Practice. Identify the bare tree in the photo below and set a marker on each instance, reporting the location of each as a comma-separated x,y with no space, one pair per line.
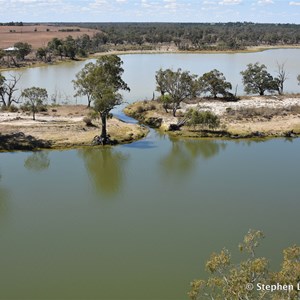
8,87
281,77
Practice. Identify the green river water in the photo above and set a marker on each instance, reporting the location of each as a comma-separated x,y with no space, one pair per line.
139,221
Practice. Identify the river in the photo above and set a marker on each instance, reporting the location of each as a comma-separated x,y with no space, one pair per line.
139,221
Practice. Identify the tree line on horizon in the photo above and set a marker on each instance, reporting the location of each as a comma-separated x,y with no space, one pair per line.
148,36
198,36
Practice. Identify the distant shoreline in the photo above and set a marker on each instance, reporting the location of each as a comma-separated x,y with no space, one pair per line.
36,64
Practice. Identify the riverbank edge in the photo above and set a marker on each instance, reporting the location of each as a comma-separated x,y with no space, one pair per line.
60,128
51,144
254,49
158,120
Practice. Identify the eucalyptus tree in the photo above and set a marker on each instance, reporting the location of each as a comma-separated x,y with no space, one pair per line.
257,80
101,81
84,82
214,82
179,85
244,280
23,49
35,97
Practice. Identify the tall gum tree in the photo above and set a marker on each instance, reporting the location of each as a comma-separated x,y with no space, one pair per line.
104,80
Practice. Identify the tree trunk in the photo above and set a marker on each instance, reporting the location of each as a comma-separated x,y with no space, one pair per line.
174,111
33,113
103,130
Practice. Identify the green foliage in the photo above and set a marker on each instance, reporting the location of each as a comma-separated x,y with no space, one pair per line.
101,82
69,47
55,46
257,80
166,101
179,85
85,82
239,281
214,82
203,119
193,36
23,49
2,54
41,53
35,98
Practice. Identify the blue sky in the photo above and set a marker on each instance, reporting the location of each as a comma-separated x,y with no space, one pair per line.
264,11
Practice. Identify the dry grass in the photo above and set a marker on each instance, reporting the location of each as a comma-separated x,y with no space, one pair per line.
37,36
64,127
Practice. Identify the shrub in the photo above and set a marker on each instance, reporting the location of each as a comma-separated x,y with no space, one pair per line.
88,121
13,108
204,119
140,109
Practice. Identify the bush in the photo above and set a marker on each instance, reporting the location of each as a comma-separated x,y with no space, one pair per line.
152,107
204,119
87,121
13,108
140,109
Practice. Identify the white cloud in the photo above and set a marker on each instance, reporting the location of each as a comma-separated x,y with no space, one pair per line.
230,2
265,2
294,3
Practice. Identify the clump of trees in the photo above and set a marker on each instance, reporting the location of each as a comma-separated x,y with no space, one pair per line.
228,280
177,86
100,82
257,80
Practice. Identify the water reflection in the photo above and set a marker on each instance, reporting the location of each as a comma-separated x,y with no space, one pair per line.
105,168
4,195
37,161
183,154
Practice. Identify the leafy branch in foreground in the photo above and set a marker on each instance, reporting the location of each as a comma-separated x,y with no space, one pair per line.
251,278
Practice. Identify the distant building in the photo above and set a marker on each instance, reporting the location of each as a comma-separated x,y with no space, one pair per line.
11,49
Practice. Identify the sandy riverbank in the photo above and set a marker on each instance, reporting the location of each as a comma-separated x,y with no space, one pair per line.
268,116
59,127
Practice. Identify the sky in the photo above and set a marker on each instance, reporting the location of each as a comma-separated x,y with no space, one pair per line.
262,11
